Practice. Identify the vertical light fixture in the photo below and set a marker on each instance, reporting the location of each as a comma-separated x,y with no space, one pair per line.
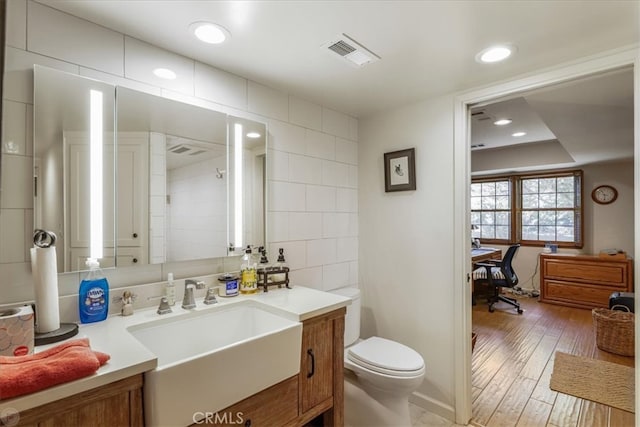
95,174
237,188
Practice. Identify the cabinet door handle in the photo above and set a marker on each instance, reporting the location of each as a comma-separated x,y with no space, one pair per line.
135,260
135,235
313,363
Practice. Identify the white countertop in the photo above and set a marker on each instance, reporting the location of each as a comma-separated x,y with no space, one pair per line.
129,357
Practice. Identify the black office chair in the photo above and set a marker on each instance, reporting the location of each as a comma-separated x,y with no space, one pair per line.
496,275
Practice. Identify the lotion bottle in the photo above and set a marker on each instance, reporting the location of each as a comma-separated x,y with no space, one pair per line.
170,290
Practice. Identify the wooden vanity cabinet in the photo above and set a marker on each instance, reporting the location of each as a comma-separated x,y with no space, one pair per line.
275,406
322,369
317,391
112,405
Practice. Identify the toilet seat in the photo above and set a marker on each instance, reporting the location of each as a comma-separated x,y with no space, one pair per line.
386,357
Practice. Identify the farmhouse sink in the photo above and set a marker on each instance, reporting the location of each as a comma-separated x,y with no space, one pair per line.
211,359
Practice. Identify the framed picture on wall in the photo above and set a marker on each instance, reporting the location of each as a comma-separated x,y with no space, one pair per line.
400,170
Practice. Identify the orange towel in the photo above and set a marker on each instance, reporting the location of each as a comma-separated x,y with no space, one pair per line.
65,362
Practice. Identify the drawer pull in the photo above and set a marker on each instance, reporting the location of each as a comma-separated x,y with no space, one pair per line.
313,363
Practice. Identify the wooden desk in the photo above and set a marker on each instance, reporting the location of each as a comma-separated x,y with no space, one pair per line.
481,254
584,281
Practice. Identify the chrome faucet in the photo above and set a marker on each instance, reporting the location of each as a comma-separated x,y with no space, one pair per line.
198,284
164,307
189,301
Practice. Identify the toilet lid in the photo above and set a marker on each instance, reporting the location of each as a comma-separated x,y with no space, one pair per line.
386,356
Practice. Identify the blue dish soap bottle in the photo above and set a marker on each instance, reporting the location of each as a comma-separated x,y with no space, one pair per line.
93,297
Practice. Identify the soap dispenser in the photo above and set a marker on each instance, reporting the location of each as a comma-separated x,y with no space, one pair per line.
93,296
248,275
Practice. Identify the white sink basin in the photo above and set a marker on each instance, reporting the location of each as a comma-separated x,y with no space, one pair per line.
211,359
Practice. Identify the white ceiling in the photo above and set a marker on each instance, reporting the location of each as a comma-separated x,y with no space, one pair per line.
583,121
427,47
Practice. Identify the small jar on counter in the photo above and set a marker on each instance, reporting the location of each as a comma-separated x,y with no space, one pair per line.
228,285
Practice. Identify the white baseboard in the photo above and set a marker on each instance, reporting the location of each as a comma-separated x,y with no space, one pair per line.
432,405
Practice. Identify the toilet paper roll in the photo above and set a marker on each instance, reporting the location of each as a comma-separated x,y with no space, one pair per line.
45,279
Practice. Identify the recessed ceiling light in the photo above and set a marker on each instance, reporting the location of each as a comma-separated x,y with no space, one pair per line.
495,54
502,122
517,134
253,135
165,73
209,32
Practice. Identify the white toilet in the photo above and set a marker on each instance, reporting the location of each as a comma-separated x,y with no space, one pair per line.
380,374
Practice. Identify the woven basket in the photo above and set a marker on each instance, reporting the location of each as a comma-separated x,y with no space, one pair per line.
614,331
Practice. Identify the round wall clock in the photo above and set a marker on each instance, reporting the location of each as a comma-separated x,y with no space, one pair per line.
604,194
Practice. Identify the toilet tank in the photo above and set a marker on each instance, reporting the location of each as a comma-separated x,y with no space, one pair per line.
352,319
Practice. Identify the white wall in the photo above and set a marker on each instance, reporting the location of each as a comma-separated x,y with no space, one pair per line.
312,157
406,240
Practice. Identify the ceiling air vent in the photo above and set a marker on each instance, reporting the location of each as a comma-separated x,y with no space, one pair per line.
351,51
480,116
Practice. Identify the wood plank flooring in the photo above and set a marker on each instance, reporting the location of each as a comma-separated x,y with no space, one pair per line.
512,364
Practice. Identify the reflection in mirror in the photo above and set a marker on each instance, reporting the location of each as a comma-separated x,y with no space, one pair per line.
172,186
74,166
177,153
247,168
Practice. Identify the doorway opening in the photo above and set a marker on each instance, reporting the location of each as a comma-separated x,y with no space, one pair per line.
542,91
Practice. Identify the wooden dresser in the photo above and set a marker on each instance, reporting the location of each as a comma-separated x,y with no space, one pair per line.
584,281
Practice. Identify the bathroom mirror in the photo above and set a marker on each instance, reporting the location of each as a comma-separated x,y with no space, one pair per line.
173,188
73,124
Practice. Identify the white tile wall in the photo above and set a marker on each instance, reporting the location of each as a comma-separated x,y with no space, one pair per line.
307,170
320,145
12,243
267,102
347,200
321,198
286,196
346,151
305,113
278,227
305,226
335,276
16,27
335,174
335,123
321,252
313,151
287,137
219,86
59,35
278,165
17,180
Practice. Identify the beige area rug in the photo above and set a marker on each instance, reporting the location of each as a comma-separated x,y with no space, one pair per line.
597,380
